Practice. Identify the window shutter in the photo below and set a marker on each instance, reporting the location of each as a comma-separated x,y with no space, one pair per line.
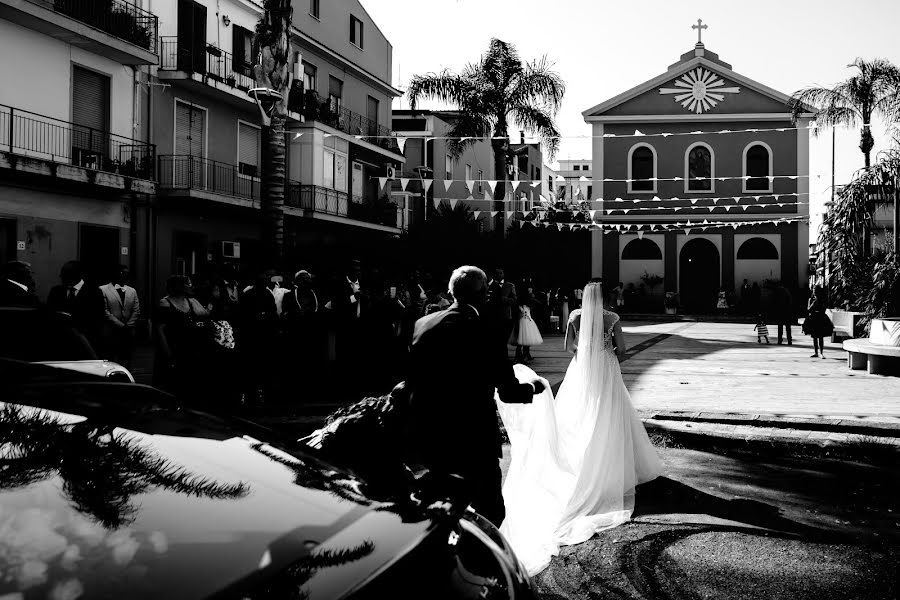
190,127
248,144
335,86
90,99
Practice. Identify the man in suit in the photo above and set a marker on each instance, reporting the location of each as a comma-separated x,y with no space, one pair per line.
783,311
349,303
82,301
502,305
17,285
122,311
455,364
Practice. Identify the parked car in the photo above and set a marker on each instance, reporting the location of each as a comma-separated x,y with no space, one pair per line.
112,490
43,336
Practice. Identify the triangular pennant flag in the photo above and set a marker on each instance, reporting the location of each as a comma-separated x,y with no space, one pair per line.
583,178
404,181
509,214
427,183
744,207
401,141
470,183
453,203
734,225
494,213
610,135
736,198
706,221
560,226
327,135
382,181
694,200
536,184
592,213
640,235
491,185
447,184
437,203
476,214
297,135
560,178
487,198
638,133
665,135
625,210
729,207
716,200
687,232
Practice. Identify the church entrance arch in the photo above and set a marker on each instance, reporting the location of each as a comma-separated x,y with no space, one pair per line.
700,271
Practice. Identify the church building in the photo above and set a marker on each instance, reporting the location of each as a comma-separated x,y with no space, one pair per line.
701,180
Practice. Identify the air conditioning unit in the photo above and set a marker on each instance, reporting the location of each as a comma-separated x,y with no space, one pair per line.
231,249
391,174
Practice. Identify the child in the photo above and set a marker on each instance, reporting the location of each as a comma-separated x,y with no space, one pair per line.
762,331
526,335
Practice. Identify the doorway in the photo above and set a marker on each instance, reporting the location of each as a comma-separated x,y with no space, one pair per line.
700,271
98,252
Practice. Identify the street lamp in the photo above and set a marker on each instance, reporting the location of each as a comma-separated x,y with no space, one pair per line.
266,99
422,171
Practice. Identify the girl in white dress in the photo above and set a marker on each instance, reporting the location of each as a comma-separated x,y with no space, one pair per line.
577,459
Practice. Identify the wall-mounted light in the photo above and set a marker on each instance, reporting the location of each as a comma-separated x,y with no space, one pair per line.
226,19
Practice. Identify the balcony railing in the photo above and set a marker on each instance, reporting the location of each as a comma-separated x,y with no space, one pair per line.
116,17
333,202
194,173
38,136
206,60
329,111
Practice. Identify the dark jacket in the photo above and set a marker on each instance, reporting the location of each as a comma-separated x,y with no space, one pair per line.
502,301
88,308
455,364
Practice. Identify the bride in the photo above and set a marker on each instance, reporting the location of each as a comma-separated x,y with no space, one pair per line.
577,459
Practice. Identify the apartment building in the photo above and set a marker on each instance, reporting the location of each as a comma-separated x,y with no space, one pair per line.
77,173
207,131
573,181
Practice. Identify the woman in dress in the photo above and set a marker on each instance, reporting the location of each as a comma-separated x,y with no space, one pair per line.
526,333
817,324
181,335
576,460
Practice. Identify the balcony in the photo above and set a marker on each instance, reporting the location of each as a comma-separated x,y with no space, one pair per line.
314,107
194,174
325,201
206,60
48,140
113,28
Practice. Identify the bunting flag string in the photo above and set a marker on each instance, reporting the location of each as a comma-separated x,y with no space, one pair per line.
638,228
515,183
404,181
427,183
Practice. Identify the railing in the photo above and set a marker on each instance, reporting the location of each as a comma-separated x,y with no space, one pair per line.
195,173
314,107
39,136
333,202
214,62
116,17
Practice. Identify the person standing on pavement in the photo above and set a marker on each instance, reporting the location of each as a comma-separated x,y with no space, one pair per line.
761,329
122,311
502,304
817,324
783,309
17,285
82,301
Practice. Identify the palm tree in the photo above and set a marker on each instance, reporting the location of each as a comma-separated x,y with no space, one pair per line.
273,72
873,91
497,90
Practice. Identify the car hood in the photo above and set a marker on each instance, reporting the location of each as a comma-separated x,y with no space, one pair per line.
99,502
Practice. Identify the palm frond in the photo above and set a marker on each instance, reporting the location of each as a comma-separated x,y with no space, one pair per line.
832,106
540,122
538,85
444,86
472,125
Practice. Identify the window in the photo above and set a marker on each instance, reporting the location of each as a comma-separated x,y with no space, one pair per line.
314,8
699,168
356,32
577,167
248,149
585,168
757,249
309,76
480,181
641,249
90,113
372,114
642,168
468,172
242,50
448,167
758,166
335,92
191,30
590,192
328,175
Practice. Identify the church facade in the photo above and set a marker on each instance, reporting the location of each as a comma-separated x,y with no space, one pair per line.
701,180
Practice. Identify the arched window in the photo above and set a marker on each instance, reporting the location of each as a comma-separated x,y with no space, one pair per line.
757,249
641,250
699,168
642,168
757,167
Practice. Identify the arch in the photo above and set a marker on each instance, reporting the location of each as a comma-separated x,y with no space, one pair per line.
753,160
699,270
641,249
706,166
757,249
648,184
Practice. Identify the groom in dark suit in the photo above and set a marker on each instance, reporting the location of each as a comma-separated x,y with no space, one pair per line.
455,365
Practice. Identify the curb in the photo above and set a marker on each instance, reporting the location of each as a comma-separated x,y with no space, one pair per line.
837,425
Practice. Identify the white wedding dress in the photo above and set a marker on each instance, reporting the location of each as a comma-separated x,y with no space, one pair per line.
577,459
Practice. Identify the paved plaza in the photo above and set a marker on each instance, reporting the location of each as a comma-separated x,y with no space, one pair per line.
720,367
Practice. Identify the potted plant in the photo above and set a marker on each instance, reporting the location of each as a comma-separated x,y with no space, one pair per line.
671,303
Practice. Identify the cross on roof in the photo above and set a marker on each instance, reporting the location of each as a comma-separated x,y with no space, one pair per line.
699,27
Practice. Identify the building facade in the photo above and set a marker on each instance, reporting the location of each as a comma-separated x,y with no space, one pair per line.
573,181
208,135
703,180
76,168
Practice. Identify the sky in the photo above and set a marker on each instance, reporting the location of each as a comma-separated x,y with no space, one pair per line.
602,48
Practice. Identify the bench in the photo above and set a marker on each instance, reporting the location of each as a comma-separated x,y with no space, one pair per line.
846,323
879,358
